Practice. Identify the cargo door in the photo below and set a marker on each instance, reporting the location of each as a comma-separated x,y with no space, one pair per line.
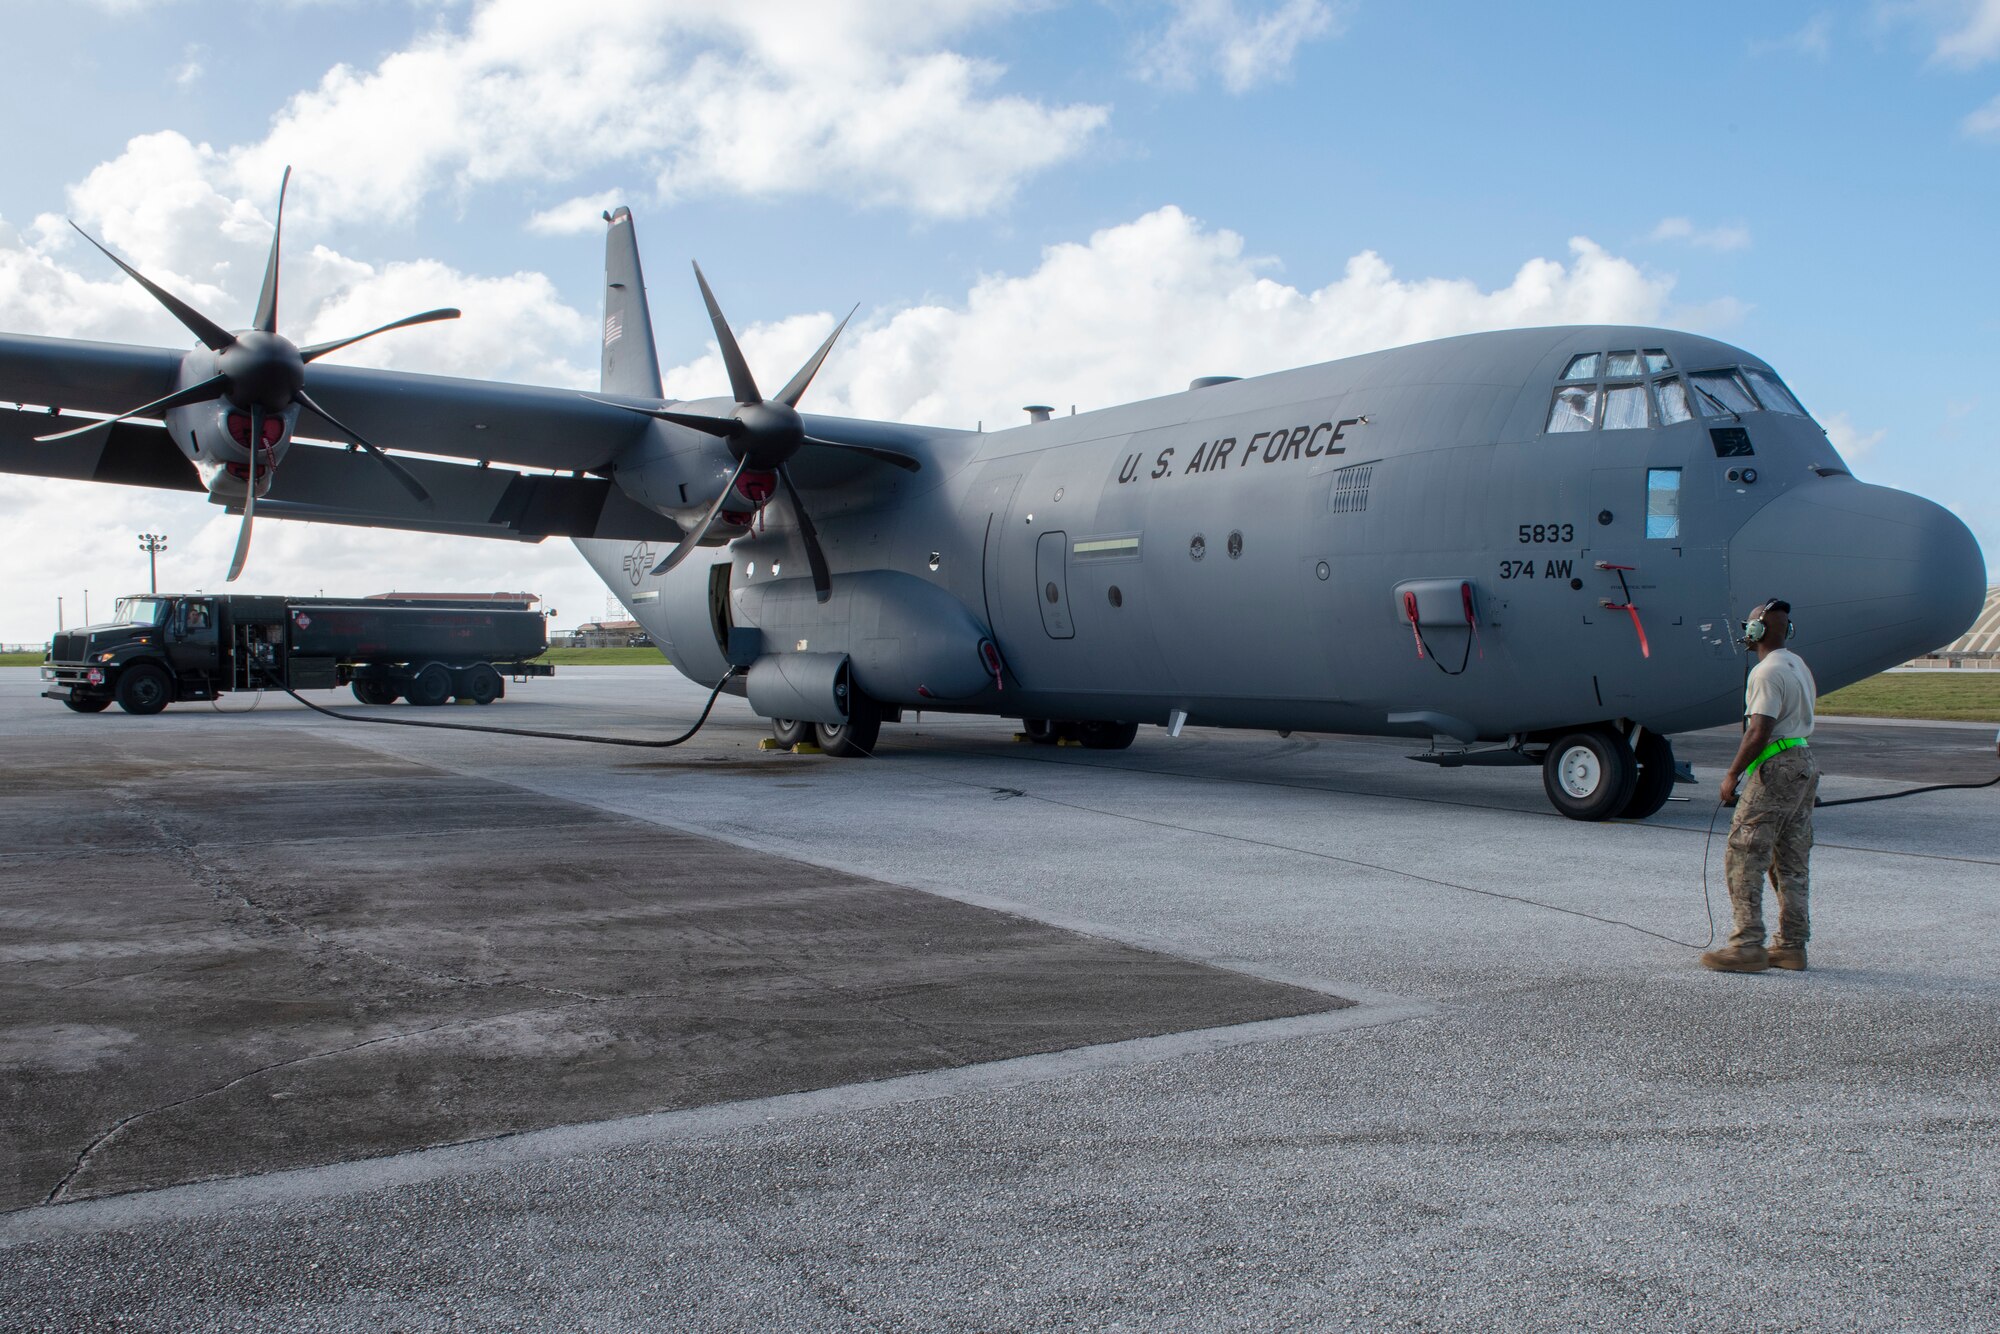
1051,577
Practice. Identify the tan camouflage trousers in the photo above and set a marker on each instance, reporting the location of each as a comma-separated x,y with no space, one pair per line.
1772,835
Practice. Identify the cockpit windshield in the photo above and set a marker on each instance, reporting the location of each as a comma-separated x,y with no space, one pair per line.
1631,389
142,611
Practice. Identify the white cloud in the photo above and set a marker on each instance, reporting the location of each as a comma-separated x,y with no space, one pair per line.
1814,38
1245,47
1142,308
1983,123
575,217
1973,38
1731,237
1848,438
780,98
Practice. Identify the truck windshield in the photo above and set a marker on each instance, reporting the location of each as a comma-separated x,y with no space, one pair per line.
142,611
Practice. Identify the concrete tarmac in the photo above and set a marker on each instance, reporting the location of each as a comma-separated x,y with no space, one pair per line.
1540,1114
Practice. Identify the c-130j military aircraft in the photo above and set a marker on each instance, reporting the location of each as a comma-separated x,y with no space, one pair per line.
1527,547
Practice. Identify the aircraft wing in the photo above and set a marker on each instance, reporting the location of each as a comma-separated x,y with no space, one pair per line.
332,484
527,425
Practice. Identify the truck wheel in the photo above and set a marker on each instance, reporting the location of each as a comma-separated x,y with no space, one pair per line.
144,688
374,692
480,684
1656,778
790,733
857,736
1589,774
429,687
87,705
1107,736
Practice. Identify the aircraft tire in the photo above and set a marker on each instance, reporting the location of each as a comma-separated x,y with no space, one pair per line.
790,732
1656,778
374,692
1589,774
87,705
144,689
430,686
856,737
1041,731
1107,736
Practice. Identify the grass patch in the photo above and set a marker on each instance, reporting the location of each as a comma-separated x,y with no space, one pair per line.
604,657
33,659
1954,696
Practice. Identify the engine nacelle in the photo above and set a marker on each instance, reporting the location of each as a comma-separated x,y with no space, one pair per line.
216,437
676,472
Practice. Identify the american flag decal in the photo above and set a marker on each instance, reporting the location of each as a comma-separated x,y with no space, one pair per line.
614,327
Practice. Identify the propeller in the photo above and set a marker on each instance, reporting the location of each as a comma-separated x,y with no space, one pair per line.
763,434
259,371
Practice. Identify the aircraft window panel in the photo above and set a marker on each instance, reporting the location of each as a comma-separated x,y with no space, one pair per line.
1721,393
1575,409
1663,502
1625,407
1774,396
1622,363
1673,401
1582,368
1657,361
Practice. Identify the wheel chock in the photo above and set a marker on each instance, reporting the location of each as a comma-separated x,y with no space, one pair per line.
807,748
770,743
1068,741
1021,736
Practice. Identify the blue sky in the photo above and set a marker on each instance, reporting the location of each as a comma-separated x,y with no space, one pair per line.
1032,202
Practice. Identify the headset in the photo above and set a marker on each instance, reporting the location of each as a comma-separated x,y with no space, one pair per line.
1753,625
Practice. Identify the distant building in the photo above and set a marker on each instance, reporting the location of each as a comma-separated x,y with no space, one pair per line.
1977,647
610,634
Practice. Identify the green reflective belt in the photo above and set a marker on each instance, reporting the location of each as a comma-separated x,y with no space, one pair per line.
1771,750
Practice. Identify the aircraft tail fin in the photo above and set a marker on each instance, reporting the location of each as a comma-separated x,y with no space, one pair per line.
631,365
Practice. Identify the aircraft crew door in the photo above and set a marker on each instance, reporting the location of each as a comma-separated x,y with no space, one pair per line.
1051,578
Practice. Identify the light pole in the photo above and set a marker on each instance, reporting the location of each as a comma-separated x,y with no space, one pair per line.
86,606
153,544
59,624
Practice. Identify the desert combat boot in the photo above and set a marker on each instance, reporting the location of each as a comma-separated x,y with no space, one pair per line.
1792,958
1739,959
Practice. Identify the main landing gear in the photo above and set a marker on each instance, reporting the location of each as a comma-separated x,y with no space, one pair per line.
1091,736
1594,773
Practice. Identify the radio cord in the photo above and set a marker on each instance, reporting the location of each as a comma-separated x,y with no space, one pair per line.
522,731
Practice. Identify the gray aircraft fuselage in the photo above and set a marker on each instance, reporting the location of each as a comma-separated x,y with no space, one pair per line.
1234,552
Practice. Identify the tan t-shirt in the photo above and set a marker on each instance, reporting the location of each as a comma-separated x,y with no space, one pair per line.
1782,688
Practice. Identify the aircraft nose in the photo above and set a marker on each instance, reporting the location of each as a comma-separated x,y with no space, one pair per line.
1875,576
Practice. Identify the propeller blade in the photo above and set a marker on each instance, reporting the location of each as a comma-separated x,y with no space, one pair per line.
692,538
249,496
396,470
722,426
194,393
822,580
213,336
318,350
903,461
267,300
793,392
741,384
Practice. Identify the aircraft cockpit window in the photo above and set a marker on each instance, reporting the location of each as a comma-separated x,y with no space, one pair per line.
1673,400
1622,363
1657,361
1721,394
1774,396
1582,368
1624,406
1575,408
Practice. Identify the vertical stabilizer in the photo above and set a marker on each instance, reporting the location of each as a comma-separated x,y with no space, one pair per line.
631,365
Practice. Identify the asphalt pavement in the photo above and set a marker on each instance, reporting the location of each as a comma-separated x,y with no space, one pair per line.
1538,1113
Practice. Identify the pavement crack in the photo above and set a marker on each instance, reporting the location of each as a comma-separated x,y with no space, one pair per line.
91,1150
